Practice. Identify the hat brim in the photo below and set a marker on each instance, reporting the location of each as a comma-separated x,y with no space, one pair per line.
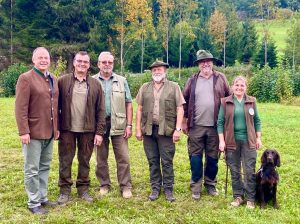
162,65
216,61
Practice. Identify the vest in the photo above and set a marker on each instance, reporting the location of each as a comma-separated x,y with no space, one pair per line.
118,105
228,106
167,109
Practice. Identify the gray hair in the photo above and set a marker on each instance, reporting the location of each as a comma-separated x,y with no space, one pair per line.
240,78
39,48
105,53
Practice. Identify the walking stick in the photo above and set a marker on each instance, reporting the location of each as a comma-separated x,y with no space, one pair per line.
226,179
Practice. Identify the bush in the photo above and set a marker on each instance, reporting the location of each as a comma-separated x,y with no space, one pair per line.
296,83
271,85
9,77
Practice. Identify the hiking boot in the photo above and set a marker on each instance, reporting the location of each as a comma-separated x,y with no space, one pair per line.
85,196
63,199
169,195
237,202
154,195
250,205
126,193
39,210
196,195
103,191
211,190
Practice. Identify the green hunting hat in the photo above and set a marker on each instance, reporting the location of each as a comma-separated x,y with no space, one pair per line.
203,54
158,63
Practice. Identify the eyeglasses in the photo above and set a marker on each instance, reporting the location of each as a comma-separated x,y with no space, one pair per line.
107,62
81,61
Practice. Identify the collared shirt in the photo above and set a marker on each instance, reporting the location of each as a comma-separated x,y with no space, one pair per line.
107,87
157,94
78,105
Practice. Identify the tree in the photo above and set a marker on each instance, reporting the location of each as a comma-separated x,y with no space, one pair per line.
272,55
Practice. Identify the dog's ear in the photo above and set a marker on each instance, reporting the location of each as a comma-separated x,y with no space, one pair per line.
277,159
264,158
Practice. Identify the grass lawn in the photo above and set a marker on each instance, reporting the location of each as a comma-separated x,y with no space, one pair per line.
281,128
278,31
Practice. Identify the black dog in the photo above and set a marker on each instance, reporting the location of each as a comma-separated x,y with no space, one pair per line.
267,178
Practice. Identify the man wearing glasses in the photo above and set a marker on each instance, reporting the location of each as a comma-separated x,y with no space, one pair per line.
81,105
118,116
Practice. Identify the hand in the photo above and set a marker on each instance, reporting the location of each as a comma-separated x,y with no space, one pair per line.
56,137
128,132
25,139
98,140
176,136
139,135
184,127
258,143
222,146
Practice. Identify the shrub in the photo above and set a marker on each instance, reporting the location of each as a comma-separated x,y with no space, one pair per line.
296,83
9,77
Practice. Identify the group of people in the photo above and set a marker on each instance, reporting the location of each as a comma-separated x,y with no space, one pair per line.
84,112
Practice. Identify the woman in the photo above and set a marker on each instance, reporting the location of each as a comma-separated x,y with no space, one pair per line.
239,132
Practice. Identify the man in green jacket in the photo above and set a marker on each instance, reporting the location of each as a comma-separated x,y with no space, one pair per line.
118,116
81,105
158,124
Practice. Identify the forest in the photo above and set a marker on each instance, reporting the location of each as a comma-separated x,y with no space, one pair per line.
139,31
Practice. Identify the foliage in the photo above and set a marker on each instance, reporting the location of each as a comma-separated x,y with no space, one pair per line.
295,77
271,85
60,67
276,119
9,77
271,55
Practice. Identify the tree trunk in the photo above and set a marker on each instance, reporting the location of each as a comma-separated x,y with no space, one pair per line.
11,32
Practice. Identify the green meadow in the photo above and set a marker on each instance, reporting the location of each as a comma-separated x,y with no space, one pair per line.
281,128
278,31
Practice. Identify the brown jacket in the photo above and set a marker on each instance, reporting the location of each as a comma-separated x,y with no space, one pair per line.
35,108
228,105
95,109
221,89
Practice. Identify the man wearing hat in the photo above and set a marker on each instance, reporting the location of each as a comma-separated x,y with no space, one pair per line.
158,123
202,93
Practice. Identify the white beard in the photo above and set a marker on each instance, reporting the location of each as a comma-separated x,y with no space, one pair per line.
158,77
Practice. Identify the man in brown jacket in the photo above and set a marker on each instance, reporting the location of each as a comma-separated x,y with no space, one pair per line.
82,120
203,93
36,115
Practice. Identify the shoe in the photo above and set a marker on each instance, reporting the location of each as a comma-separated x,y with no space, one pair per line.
169,195
48,204
211,190
154,195
126,193
103,191
250,205
85,196
63,199
237,202
196,195
39,210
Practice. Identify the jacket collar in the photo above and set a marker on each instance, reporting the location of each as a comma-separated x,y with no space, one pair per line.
247,98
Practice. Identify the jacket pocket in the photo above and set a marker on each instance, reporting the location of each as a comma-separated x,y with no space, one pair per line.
120,121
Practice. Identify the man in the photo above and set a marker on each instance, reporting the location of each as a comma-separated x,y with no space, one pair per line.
81,105
158,123
203,92
36,115
118,113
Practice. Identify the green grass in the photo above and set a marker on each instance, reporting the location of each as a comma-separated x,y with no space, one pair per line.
278,31
281,128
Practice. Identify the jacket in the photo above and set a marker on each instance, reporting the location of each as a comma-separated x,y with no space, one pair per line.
94,120
36,106
221,89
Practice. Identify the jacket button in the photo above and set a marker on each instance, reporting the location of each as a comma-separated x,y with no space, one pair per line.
51,118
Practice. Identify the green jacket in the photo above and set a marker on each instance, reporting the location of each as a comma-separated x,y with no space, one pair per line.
167,109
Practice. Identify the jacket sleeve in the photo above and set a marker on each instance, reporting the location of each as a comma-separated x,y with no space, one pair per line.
186,95
100,111
22,105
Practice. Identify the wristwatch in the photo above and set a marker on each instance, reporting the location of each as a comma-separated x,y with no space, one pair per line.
178,129
129,125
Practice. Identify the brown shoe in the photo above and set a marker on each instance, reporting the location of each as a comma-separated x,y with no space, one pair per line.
63,199
126,193
237,202
250,205
196,195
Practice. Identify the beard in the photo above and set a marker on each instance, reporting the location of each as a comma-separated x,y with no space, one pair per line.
158,77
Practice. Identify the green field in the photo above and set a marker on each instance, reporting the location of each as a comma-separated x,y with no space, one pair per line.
281,128
278,31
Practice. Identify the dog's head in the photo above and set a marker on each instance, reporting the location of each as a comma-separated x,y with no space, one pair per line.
270,156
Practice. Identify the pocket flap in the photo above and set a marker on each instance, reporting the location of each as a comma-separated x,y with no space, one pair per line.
120,115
